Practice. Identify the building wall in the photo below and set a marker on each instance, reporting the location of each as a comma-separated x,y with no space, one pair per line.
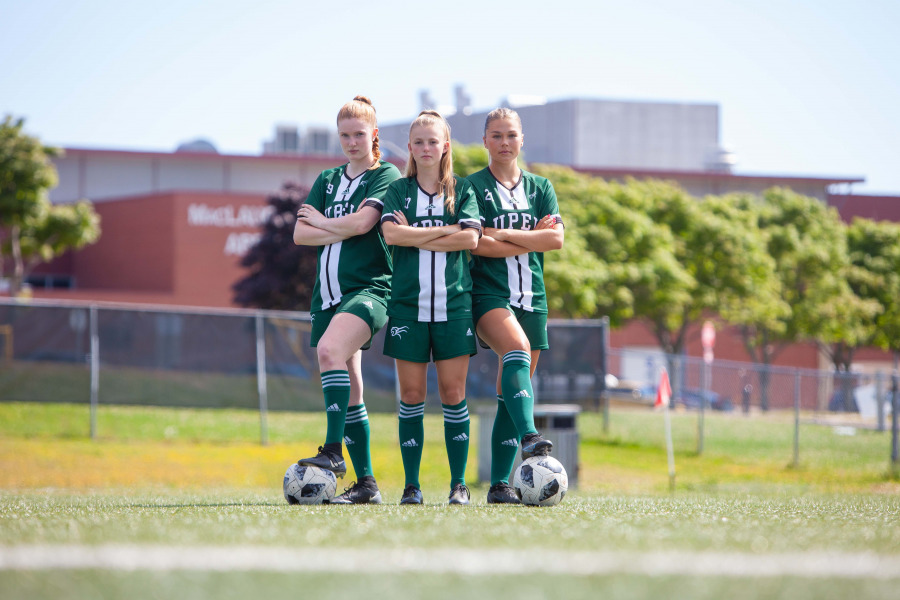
101,175
600,133
181,248
878,208
136,249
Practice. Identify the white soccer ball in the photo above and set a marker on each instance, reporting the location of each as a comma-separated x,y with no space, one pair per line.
308,485
541,481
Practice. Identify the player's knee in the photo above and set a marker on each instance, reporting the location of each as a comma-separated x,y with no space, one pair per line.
452,393
412,396
328,356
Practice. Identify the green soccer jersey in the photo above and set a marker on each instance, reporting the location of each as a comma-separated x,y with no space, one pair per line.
360,262
520,278
430,286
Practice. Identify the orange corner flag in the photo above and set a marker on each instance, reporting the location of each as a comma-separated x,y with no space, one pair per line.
664,391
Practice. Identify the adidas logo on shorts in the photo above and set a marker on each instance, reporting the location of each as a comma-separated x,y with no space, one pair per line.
510,442
348,441
523,394
469,332
367,303
410,443
333,408
461,438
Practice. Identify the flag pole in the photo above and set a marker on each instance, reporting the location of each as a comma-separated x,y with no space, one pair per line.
663,397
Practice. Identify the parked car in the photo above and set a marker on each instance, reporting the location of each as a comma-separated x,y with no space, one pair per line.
690,398
627,390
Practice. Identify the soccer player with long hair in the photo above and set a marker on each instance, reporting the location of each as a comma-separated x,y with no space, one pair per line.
431,220
349,304
520,219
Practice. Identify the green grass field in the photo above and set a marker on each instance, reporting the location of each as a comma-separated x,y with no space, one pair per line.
186,503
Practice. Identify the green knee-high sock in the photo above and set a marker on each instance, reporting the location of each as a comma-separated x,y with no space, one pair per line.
336,387
456,437
504,444
515,383
356,439
412,436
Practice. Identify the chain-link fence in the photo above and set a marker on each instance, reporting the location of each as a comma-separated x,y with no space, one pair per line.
106,354
228,358
729,386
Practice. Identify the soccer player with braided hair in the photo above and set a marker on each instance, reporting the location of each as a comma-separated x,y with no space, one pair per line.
353,279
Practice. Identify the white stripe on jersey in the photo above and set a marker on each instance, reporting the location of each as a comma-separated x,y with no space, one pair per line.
432,286
329,284
519,279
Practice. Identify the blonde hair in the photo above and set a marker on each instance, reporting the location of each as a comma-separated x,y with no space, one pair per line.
361,108
502,113
446,179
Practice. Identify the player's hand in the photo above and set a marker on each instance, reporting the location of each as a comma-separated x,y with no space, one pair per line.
400,218
497,234
311,216
546,222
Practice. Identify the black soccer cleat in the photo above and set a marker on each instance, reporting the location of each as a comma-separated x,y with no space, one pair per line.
326,460
535,445
412,495
502,493
364,491
460,494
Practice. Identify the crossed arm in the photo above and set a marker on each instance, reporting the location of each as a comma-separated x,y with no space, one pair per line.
315,229
547,235
444,238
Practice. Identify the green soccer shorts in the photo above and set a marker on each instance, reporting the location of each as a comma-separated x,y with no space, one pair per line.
369,308
533,324
422,342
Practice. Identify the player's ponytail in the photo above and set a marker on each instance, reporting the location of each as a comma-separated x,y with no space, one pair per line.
446,179
362,108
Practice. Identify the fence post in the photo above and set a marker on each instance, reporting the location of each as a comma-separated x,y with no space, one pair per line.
879,398
796,418
95,370
705,368
261,386
895,404
604,366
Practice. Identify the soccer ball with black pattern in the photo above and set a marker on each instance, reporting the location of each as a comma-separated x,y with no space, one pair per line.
541,481
308,485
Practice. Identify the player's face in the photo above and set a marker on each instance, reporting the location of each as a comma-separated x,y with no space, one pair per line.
356,137
503,140
427,145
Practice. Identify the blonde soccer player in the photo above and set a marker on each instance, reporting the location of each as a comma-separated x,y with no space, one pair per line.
431,220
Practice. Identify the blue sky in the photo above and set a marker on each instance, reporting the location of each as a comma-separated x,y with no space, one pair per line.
804,88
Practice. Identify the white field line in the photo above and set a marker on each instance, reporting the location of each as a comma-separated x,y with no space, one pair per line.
454,561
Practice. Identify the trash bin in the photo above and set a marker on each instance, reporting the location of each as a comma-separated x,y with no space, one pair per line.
556,422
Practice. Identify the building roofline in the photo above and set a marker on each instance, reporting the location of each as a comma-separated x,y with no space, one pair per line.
326,160
671,174
306,158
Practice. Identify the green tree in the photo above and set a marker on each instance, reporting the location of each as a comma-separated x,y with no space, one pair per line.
468,158
31,229
874,251
728,270
281,274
